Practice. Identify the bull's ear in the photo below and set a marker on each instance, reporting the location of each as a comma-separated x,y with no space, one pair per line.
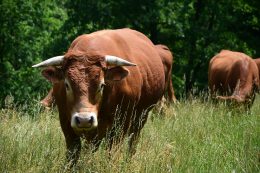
53,74
116,74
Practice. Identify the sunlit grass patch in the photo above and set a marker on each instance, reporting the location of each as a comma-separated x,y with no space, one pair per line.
193,135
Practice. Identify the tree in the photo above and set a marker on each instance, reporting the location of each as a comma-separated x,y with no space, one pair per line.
203,29
25,31
195,30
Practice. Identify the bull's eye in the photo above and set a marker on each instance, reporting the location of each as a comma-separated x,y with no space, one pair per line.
97,76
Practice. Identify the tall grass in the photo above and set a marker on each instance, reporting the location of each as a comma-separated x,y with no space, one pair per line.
191,136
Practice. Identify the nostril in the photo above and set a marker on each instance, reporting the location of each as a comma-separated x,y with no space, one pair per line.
83,120
91,119
77,120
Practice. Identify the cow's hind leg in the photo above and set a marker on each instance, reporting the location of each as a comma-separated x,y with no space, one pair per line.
170,91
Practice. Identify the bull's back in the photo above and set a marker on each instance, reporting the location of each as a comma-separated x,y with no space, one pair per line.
149,66
146,80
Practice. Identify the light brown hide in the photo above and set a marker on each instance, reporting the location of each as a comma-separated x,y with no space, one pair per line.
233,76
128,98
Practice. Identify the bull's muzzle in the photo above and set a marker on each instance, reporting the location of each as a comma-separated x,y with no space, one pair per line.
84,120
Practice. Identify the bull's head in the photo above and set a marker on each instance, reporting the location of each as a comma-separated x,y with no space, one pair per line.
84,79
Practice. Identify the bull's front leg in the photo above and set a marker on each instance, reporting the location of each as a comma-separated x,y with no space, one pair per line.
91,141
73,143
73,150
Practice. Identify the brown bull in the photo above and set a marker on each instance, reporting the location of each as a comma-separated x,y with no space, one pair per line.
234,76
167,60
105,76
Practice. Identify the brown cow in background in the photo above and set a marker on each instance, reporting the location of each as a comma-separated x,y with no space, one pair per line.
233,76
257,61
107,81
48,100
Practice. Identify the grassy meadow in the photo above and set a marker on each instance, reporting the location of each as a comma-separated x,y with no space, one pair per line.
193,135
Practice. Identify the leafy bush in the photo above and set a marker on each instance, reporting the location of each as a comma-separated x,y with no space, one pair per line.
195,31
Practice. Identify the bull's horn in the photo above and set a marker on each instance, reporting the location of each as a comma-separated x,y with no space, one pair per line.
116,61
54,61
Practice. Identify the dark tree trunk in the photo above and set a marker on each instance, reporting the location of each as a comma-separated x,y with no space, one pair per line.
192,48
154,32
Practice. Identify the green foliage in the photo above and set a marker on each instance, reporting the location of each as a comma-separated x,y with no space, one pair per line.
206,28
203,138
26,29
195,31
